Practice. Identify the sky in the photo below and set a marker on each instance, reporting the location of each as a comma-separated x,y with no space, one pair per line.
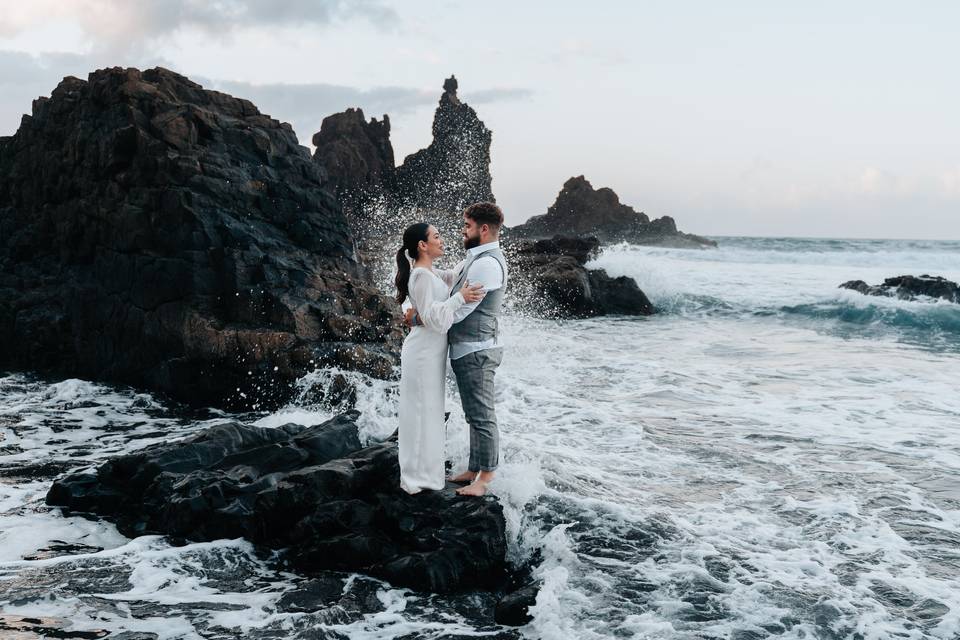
836,119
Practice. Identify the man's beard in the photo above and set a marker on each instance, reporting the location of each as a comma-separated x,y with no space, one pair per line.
471,242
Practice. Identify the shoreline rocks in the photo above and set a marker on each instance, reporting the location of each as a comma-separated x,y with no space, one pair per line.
549,277
580,210
909,288
158,234
313,491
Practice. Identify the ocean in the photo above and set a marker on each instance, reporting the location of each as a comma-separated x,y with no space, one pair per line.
768,457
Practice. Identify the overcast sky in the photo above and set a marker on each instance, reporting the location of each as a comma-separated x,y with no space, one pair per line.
736,118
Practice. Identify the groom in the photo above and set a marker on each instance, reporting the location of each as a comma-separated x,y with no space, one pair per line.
475,349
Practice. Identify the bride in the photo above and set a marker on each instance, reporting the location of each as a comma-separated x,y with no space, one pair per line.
423,359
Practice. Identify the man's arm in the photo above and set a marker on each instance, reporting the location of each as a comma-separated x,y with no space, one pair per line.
485,271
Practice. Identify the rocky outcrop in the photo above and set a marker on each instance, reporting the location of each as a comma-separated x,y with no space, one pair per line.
454,171
581,210
909,288
549,278
358,158
435,183
312,491
162,235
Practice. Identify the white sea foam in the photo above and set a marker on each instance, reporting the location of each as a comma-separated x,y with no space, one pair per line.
725,468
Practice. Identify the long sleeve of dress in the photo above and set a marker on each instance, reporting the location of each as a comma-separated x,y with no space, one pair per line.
433,313
447,275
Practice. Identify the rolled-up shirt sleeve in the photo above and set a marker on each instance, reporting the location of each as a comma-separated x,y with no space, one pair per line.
434,314
485,271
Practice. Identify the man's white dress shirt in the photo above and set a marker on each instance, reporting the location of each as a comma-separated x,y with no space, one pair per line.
485,271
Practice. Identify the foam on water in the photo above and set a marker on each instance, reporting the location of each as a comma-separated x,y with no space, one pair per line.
745,465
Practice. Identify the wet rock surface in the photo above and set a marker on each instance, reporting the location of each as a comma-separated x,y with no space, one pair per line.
159,234
549,277
909,288
313,491
580,210
30,627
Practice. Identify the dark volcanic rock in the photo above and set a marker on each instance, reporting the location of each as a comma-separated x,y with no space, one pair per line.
551,279
909,288
358,158
435,183
159,234
454,171
312,491
579,210
513,608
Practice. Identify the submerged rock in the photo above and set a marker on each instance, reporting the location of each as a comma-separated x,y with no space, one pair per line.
583,211
159,234
313,491
549,278
513,609
909,288
29,627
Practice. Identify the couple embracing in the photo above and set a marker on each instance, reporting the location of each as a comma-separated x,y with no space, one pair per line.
452,313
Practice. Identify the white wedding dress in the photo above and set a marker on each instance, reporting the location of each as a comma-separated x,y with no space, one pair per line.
423,364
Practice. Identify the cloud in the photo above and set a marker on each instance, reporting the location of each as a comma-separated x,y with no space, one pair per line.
950,182
123,24
579,50
486,96
306,105
24,76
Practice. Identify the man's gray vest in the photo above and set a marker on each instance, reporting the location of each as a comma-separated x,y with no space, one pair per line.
482,323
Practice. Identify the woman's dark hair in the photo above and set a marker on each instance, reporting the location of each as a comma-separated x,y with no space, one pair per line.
411,238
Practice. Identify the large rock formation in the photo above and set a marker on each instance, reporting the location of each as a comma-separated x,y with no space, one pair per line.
358,158
435,183
454,171
549,278
581,210
909,288
312,491
159,234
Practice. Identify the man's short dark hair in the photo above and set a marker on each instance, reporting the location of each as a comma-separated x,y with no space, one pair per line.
485,213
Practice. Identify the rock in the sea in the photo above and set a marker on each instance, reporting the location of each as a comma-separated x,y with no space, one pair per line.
513,609
312,491
159,234
435,183
31,627
581,210
549,278
909,288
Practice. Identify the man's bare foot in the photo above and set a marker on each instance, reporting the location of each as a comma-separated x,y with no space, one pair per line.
466,476
479,486
473,489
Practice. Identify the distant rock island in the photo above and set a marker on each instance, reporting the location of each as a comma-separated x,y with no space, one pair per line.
909,288
580,210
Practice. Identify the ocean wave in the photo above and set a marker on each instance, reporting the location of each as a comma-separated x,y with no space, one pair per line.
896,313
